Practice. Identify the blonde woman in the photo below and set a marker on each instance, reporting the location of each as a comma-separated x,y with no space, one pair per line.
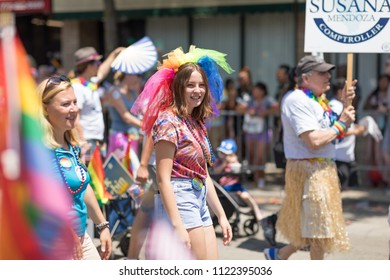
59,112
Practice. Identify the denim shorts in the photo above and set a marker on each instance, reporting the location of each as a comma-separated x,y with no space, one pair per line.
190,202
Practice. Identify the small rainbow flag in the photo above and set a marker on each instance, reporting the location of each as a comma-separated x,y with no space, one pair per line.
33,204
96,170
131,161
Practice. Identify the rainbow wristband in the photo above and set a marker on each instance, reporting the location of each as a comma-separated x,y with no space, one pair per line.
340,128
336,130
343,124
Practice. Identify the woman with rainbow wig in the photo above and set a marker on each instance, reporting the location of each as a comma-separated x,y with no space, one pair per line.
176,102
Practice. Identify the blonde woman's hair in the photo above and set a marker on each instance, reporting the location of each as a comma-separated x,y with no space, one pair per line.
46,94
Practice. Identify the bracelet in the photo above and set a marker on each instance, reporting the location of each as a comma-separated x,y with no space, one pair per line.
103,225
340,127
336,130
343,124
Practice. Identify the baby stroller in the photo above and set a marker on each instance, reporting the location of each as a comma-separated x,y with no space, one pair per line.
121,209
120,212
235,209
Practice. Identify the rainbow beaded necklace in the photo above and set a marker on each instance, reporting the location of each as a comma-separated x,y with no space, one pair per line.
324,102
82,171
92,86
209,156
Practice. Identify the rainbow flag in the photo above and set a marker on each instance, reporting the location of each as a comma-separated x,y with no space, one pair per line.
96,171
131,161
33,204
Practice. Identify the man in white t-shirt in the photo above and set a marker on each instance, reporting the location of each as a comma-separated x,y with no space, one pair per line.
90,72
345,150
311,214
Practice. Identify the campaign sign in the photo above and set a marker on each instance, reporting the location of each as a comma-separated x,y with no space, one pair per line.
360,26
117,179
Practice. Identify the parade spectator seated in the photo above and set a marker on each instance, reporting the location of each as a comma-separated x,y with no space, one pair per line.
228,165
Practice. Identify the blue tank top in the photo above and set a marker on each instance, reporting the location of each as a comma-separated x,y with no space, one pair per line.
72,172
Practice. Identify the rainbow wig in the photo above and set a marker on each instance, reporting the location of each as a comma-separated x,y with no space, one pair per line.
157,94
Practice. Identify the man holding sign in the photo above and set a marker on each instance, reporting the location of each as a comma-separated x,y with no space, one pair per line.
311,215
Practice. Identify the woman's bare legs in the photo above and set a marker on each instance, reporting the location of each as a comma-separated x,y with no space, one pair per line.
203,243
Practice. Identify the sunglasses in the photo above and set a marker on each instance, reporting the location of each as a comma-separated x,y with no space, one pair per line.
56,80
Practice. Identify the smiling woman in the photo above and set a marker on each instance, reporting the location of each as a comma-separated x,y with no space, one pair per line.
191,91
62,110
58,115
195,91
57,96
179,98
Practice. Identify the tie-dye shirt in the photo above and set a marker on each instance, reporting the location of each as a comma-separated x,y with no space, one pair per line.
188,161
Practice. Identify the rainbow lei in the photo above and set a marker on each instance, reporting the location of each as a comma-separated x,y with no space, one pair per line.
92,86
324,102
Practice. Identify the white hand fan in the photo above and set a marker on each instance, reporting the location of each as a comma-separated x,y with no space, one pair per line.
137,58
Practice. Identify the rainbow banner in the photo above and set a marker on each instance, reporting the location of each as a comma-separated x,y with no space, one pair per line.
33,204
96,171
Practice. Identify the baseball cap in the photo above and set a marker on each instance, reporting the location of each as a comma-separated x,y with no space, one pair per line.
228,146
309,63
86,54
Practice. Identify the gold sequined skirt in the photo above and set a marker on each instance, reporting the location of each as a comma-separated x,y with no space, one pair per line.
311,213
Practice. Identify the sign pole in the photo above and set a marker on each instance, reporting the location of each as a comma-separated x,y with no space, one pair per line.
349,73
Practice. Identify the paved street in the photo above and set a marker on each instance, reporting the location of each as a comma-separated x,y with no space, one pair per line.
365,211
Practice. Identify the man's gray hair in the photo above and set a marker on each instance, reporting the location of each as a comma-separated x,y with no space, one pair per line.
300,78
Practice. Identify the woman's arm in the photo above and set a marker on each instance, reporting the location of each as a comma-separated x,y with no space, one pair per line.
147,150
216,207
97,217
105,67
165,152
